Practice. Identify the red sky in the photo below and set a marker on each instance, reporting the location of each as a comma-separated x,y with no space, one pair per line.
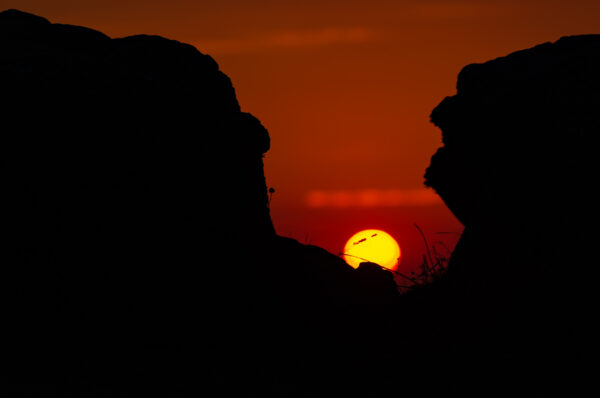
345,88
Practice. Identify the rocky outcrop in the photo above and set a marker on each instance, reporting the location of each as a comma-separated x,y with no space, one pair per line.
517,169
136,237
128,173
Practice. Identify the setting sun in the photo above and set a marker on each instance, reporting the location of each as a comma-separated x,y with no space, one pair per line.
372,245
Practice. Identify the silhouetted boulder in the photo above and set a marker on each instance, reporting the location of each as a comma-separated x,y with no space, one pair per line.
517,169
377,281
136,237
128,171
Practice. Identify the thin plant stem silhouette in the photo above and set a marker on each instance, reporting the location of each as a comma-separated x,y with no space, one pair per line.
271,192
430,269
426,244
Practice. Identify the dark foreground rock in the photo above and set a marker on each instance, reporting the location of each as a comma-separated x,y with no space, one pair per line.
137,247
518,169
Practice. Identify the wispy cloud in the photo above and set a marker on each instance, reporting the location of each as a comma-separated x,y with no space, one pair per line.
441,10
371,198
286,40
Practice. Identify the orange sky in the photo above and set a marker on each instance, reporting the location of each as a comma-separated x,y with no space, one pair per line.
345,88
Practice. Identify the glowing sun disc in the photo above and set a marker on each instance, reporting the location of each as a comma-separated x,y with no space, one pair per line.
372,245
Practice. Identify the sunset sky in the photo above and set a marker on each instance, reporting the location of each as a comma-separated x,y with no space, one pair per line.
345,88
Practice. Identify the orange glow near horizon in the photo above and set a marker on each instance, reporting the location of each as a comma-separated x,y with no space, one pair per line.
375,246
372,198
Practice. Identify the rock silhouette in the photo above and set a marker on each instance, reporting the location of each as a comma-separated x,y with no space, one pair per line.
516,169
137,243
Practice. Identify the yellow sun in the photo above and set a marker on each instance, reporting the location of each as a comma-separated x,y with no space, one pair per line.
374,246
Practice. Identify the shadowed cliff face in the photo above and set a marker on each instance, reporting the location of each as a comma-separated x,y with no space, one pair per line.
136,236
517,168
128,155
517,163
128,171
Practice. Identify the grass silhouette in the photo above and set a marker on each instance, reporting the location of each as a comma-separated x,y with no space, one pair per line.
434,263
